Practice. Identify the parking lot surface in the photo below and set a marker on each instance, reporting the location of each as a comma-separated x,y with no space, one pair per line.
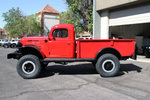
75,81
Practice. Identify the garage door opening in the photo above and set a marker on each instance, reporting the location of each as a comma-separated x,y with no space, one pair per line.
140,32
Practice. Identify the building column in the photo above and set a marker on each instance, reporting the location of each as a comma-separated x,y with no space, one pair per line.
104,34
96,22
100,23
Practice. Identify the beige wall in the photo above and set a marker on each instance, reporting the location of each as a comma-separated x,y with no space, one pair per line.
106,4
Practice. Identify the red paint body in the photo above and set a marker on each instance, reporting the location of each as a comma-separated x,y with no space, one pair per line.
66,47
90,48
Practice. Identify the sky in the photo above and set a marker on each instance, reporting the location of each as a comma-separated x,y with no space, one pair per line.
29,7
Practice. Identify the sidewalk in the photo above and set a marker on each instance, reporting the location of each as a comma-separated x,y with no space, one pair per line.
142,58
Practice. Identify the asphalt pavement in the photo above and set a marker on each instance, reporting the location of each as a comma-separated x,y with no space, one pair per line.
75,81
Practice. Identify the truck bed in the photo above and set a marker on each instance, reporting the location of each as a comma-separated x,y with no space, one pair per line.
89,48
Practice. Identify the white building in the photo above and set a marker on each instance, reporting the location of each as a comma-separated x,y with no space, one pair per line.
127,18
48,17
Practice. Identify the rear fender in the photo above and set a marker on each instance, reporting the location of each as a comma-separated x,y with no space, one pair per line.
108,50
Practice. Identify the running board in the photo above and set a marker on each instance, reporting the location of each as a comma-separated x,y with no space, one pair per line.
66,60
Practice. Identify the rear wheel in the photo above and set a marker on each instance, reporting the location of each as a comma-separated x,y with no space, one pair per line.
146,53
6,45
29,67
108,65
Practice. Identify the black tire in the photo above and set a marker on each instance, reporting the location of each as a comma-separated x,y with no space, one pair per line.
29,67
146,53
13,46
108,65
6,46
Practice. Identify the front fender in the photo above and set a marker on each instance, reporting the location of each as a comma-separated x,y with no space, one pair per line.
21,51
31,49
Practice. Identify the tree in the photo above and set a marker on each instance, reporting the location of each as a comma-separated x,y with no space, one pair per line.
33,25
19,25
14,19
80,14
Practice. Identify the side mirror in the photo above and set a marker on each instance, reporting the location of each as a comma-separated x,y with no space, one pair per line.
49,39
54,38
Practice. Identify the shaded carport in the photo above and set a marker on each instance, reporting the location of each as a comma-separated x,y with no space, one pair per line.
131,23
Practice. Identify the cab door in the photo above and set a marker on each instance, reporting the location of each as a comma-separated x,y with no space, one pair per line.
61,45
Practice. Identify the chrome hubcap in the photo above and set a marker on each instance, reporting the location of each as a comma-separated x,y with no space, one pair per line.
28,67
108,66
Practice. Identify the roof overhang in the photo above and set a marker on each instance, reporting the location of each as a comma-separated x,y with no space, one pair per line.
113,4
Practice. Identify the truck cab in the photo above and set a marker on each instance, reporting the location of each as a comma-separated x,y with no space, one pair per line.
61,42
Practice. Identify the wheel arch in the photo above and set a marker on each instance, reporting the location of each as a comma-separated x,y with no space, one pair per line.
32,50
108,50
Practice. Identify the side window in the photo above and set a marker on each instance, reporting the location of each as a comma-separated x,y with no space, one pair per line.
60,33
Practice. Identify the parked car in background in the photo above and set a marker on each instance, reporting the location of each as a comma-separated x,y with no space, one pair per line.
7,43
4,43
0,42
146,50
13,43
142,44
84,38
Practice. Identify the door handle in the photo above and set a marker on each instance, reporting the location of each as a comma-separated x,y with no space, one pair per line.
68,43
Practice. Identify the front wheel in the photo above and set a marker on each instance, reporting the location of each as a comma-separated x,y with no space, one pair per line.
108,65
13,46
29,67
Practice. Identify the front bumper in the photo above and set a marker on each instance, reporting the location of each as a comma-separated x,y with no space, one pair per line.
14,55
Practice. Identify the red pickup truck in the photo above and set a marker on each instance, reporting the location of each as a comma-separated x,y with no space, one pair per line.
34,53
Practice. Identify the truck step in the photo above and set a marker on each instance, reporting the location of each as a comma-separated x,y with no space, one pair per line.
66,60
